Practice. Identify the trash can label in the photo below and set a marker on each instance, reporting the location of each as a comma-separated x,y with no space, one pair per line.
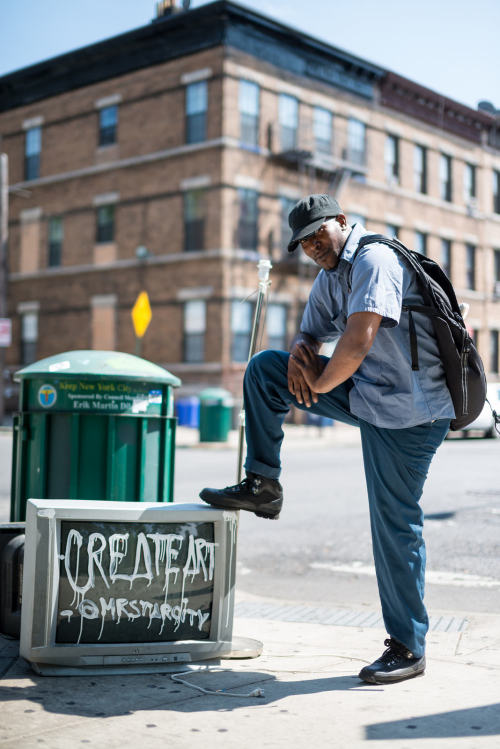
47,396
100,396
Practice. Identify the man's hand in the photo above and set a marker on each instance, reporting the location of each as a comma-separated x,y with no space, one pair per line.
310,365
297,384
349,353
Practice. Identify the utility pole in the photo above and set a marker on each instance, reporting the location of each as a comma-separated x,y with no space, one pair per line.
4,229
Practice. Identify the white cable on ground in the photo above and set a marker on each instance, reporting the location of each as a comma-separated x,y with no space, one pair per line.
216,692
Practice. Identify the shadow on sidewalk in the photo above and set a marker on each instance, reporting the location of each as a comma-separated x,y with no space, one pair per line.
473,721
105,696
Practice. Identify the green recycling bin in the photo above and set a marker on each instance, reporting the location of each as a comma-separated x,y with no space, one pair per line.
93,425
216,406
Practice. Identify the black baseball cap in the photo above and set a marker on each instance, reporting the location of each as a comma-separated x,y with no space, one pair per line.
307,216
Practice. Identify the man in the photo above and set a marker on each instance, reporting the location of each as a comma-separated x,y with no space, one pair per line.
403,415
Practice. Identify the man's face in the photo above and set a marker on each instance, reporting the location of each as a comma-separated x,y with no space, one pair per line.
325,245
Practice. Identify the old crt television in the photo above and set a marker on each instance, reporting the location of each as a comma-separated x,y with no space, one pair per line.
115,586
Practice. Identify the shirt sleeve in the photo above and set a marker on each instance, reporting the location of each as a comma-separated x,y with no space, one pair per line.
321,318
377,284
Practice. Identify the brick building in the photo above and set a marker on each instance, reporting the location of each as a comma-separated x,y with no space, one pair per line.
167,158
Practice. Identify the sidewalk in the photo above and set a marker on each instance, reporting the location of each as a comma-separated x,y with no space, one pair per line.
312,696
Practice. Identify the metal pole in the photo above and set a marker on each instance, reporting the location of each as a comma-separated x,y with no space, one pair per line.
264,266
4,230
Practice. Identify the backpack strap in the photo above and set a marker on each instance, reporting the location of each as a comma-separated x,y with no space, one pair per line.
376,239
405,252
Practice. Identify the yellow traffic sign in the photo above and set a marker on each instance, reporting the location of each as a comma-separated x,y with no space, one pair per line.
141,314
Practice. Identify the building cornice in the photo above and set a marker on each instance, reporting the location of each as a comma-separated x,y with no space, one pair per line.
440,112
220,23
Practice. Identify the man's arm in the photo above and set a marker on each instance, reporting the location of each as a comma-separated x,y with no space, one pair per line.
351,349
297,384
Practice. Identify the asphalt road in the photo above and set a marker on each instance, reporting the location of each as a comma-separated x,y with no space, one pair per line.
319,551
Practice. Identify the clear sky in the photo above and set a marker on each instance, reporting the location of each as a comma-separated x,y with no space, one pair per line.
451,46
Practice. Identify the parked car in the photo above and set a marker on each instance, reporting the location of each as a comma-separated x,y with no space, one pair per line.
485,422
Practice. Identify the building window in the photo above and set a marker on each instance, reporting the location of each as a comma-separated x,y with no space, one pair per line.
469,182
286,233
196,111
289,121
496,191
276,326
445,190
194,220
420,169
55,241
356,141
249,113
195,324
108,122
32,151
241,327
103,322
323,125
247,238
496,270
29,337
446,256
105,231
494,351
421,242
391,154
391,230
470,266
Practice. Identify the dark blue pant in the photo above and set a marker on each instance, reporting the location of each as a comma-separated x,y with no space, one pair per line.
396,465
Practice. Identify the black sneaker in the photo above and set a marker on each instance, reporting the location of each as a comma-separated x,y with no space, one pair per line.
255,493
395,664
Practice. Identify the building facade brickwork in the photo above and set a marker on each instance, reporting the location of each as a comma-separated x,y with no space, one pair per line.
213,137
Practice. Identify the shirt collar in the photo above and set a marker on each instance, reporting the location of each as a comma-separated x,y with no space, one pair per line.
357,231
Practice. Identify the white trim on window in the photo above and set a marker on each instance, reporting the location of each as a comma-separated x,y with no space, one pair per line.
25,307
104,300
108,101
33,122
193,183
30,214
196,75
106,198
200,292
248,183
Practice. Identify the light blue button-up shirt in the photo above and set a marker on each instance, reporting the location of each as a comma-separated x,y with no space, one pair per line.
386,392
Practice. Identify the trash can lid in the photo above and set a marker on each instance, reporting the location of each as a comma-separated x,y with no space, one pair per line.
93,365
217,394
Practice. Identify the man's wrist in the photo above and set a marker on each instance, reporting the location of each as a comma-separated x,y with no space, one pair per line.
303,339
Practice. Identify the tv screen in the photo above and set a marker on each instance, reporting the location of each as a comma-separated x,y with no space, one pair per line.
113,585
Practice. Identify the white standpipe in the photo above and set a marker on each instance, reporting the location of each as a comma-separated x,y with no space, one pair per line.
264,266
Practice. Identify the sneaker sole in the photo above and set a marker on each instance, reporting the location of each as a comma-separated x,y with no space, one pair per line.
260,512
389,678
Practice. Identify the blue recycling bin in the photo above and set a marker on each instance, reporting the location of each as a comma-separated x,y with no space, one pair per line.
188,412
319,421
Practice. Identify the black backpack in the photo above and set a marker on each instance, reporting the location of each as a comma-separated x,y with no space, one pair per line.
462,364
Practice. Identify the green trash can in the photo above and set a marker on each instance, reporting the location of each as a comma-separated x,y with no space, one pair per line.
216,406
93,425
